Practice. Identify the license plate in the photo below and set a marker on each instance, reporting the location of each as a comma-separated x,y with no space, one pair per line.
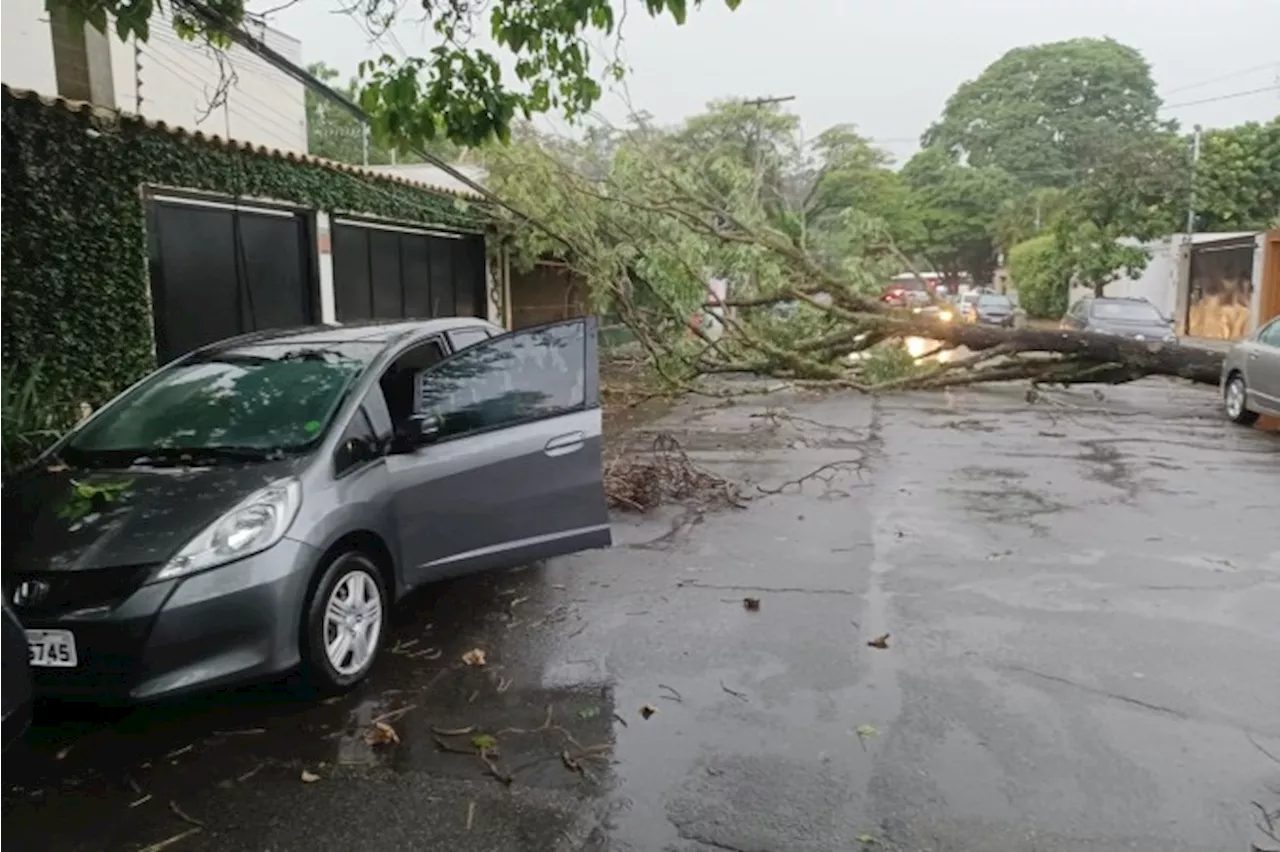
51,648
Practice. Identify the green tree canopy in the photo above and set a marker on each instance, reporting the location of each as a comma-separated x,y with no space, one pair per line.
336,134
458,90
1238,178
958,206
1038,111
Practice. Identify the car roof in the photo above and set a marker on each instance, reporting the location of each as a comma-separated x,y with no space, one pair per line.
376,332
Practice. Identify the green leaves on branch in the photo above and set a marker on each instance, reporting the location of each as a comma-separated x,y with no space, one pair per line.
457,91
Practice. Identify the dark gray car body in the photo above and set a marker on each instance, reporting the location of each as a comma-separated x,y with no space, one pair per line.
17,694
497,497
993,309
1089,314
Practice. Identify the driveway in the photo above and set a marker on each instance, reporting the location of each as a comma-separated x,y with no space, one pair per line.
1080,597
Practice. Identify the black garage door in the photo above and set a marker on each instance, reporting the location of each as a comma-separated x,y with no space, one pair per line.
221,269
387,272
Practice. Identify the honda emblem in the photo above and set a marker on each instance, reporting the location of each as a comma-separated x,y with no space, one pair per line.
30,592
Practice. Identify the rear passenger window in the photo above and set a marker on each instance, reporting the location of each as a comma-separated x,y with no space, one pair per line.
464,337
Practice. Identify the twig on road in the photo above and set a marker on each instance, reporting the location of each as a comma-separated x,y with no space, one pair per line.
742,696
817,473
394,714
674,696
184,816
169,841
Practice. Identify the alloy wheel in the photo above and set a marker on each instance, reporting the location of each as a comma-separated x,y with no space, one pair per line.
352,623
1235,397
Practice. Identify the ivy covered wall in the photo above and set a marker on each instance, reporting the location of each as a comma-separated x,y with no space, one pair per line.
76,297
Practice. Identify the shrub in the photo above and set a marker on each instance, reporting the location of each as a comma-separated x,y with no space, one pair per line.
1041,276
31,422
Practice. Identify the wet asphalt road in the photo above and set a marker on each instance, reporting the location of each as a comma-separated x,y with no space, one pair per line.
1083,602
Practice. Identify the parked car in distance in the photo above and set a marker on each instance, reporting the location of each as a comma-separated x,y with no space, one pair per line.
17,695
1251,376
1136,319
905,294
988,309
258,505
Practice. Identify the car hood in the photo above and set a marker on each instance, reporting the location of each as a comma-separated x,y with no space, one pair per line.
73,520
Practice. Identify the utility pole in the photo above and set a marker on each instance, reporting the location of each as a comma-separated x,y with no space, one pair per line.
753,141
1195,161
1182,297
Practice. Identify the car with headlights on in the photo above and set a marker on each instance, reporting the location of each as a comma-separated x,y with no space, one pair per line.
257,506
1136,319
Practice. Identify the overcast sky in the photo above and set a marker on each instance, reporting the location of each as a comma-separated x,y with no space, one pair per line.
888,66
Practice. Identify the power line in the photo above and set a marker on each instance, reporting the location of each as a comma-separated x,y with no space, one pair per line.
1230,95
1230,75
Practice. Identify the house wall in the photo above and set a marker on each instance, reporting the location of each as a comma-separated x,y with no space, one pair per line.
1161,281
167,79
549,292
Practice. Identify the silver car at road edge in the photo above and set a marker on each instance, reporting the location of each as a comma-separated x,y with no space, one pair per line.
1251,375
257,506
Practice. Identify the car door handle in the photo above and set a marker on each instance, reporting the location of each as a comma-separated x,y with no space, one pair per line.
562,445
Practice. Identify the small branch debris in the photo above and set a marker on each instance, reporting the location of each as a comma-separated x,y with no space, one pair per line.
170,841
381,733
674,696
641,482
184,816
741,696
881,642
471,814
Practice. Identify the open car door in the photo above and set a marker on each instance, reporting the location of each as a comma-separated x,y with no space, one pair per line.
513,469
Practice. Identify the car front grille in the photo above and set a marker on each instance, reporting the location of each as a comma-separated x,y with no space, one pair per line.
58,592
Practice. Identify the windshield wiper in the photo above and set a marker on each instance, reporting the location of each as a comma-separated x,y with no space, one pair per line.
169,456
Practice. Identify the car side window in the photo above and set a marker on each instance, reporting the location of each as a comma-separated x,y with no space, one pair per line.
1270,334
461,338
518,377
399,381
359,443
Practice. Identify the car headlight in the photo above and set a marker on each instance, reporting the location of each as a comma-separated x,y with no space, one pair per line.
253,525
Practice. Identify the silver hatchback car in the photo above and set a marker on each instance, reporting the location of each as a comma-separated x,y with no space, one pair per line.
1251,375
257,506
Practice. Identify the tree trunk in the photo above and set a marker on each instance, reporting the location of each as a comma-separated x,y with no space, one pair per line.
1133,358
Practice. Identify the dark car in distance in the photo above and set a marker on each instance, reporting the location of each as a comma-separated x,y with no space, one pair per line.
1136,319
17,695
989,309
258,505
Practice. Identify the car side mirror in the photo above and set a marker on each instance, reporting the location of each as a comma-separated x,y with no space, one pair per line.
424,429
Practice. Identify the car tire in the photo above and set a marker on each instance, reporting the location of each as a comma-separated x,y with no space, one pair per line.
1234,401
331,666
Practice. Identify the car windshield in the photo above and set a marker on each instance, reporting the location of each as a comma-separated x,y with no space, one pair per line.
994,301
245,402
1128,311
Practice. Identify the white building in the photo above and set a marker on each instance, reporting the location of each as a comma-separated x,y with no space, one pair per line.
182,83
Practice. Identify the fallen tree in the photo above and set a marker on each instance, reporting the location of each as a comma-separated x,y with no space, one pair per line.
648,228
